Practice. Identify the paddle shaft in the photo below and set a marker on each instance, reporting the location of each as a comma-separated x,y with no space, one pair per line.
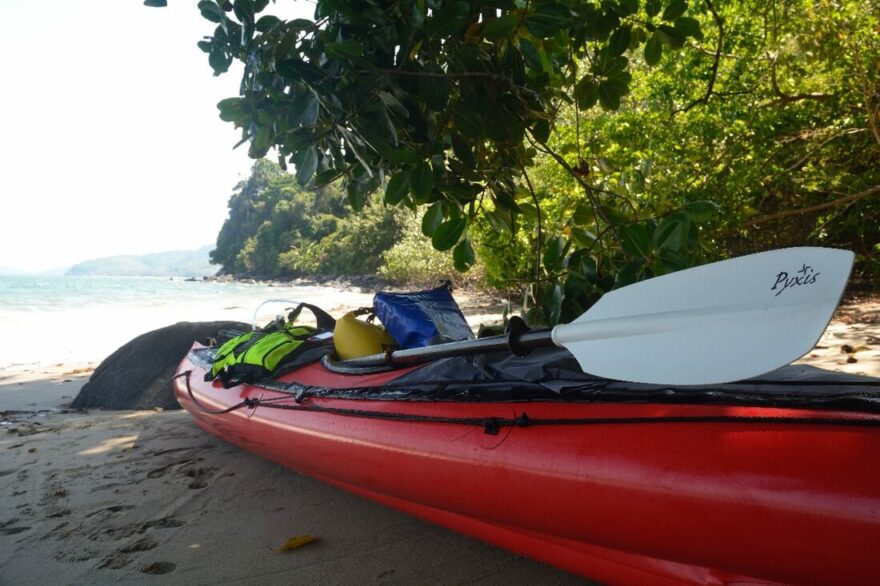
519,342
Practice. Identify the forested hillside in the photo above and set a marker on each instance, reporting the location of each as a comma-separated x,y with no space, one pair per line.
656,136
275,227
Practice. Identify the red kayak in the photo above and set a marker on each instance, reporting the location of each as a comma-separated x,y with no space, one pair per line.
768,481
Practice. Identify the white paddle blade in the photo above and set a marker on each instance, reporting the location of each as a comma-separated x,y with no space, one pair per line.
716,323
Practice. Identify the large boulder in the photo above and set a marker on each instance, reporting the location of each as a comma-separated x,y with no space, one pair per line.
138,375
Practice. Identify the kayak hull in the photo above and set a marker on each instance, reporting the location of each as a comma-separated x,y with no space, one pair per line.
618,492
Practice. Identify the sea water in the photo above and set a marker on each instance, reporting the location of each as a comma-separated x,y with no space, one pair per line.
46,320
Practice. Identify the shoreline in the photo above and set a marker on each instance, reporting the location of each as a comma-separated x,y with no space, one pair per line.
855,326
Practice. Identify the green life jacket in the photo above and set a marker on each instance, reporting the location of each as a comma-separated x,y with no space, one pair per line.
277,348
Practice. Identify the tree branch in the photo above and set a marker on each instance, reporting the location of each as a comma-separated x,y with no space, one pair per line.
822,206
782,97
807,157
539,240
709,88
873,112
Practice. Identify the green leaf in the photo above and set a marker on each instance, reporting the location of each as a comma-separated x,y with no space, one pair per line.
548,19
541,131
609,64
344,49
583,237
513,64
501,220
244,10
531,54
636,240
211,11
297,70
701,211
421,181
306,162
463,255
553,254
675,9
620,39
652,7
609,96
613,216
613,89
629,273
669,261
468,123
583,215
432,219
452,18
505,200
501,27
528,211
356,196
393,104
267,23
605,24
435,87
232,109
219,61
653,50
403,157
448,233
689,27
586,92
671,36
586,265
310,112
554,295
672,233
396,189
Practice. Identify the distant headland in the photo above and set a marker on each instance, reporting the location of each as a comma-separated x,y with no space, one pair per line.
175,263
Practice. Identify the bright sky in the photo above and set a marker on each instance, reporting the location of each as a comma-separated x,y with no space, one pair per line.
110,138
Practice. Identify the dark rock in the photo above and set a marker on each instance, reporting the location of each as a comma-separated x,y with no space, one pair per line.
138,375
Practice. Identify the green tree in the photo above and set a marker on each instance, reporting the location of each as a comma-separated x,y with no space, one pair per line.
773,118
569,142
441,103
276,228
246,213
269,213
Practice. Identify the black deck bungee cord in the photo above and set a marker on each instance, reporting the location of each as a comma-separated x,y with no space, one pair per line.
493,425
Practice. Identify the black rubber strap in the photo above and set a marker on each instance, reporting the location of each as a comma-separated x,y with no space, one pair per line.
515,329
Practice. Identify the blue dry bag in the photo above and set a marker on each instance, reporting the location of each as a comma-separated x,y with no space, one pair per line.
422,318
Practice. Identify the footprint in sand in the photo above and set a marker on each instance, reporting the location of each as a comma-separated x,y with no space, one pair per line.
159,568
120,558
200,476
162,470
163,523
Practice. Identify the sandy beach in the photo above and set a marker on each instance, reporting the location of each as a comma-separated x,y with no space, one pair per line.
144,497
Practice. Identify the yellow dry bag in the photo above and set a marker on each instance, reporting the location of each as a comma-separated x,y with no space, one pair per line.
353,338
